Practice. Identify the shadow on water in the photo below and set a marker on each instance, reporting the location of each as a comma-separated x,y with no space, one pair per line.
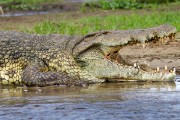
98,101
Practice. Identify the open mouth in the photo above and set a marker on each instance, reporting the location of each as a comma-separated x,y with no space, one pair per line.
130,54
158,55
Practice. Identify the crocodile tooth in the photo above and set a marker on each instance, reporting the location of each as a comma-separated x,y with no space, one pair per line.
174,70
138,67
162,40
165,67
135,65
167,38
157,69
110,61
170,71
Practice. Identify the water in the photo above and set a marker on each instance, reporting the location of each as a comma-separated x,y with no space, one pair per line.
30,13
126,101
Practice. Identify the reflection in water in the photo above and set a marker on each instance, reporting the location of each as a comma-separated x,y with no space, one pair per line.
94,93
104,88
99,101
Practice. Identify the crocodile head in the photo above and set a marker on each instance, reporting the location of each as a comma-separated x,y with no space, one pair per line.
98,53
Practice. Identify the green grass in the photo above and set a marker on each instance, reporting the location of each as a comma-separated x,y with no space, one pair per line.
113,4
90,24
155,1
124,4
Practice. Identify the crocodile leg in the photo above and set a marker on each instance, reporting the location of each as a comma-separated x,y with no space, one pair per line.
60,69
34,76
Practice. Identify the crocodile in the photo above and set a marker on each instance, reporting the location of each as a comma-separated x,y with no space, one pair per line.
53,59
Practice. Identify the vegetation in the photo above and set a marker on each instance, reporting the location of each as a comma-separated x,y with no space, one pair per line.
156,1
103,4
124,4
23,4
113,22
113,4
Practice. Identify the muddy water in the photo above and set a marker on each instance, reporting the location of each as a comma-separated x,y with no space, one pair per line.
126,101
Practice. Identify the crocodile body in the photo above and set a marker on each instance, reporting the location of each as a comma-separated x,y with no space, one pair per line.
41,60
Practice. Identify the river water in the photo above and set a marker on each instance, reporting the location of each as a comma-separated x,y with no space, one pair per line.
125,101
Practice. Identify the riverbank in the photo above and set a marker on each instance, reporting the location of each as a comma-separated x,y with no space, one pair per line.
32,20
